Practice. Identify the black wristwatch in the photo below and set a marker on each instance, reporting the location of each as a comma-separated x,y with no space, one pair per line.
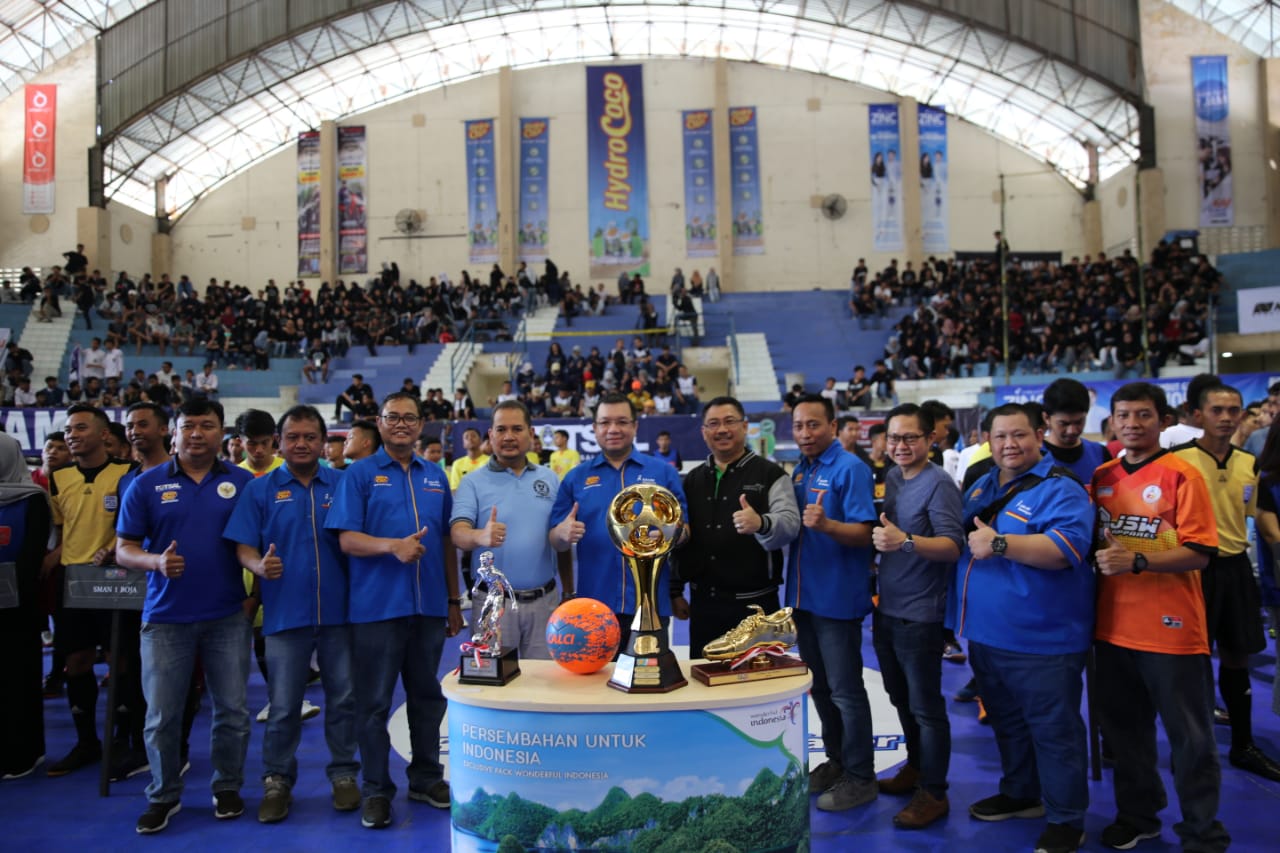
908,544
455,602
1139,563
999,545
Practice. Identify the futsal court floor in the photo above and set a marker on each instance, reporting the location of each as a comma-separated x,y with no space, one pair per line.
39,813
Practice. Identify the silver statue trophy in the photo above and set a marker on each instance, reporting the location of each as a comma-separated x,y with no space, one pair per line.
484,660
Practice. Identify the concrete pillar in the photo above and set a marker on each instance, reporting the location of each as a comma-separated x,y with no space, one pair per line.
328,201
1091,224
161,254
506,149
1269,72
93,229
912,220
1151,218
724,179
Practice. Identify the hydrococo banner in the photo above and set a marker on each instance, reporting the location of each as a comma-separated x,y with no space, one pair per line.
482,200
353,188
309,203
886,178
38,149
699,184
934,203
617,175
744,149
1213,139
535,144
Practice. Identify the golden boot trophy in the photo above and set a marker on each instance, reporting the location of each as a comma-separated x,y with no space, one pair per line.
753,650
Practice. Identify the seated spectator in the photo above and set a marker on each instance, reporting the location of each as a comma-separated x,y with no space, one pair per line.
206,383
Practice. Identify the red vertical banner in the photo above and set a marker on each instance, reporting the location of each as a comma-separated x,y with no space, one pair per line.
37,161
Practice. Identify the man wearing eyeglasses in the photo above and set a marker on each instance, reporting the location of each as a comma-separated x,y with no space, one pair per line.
580,513
742,513
392,510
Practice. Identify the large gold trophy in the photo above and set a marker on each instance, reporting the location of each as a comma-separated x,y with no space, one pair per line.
645,523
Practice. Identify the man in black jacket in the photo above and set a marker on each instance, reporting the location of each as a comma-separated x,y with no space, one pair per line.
742,514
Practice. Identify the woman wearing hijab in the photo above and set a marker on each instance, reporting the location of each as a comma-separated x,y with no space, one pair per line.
24,535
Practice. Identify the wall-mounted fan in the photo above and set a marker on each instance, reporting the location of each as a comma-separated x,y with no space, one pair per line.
409,221
834,206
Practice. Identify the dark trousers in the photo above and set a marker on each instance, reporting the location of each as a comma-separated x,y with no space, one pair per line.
21,671
710,617
912,671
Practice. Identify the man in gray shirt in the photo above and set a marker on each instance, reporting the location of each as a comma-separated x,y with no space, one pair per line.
919,538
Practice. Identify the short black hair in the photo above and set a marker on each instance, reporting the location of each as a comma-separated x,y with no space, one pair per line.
1011,409
616,398
661,433
86,409
334,438
256,423
194,407
563,432
725,400
369,428
877,429
303,412
513,405
1135,392
824,402
1065,395
59,435
1199,385
149,406
938,411
843,420
922,414
402,395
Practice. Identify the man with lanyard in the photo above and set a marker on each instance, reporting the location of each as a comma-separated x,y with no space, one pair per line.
1066,406
84,498
1023,596
919,539
580,514
1232,602
278,528
742,513
1157,534
392,510
828,584
504,507
173,511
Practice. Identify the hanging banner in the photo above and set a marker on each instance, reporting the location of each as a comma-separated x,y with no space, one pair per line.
309,203
886,178
1213,135
934,205
482,199
38,149
535,142
1258,309
617,177
699,185
353,190
744,149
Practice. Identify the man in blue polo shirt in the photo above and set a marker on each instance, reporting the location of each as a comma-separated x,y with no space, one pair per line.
828,585
504,507
278,528
580,514
392,510
173,512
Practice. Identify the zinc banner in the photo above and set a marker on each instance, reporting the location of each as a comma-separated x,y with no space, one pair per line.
535,142
744,151
886,178
699,184
934,204
38,149
353,190
617,175
1213,139
309,203
482,199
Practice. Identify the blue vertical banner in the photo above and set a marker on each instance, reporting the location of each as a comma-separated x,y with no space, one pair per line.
744,153
886,178
482,198
617,175
934,203
535,139
1213,140
699,184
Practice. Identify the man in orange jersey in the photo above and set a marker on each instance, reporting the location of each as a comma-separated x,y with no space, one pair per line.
1156,533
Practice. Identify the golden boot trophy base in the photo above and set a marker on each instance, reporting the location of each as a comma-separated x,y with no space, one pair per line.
752,651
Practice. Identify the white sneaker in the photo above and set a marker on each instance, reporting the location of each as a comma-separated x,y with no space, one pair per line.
309,710
264,713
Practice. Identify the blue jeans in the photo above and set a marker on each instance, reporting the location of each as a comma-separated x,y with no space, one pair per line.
288,668
911,665
168,660
1033,704
1133,687
832,648
408,648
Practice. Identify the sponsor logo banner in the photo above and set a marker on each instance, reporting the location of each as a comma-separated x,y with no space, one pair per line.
38,149
1213,139
535,144
744,149
699,184
353,189
617,175
482,199
934,202
886,178
309,193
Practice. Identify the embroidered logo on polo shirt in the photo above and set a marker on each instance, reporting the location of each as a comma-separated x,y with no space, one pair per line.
1023,508
226,490
381,480
593,480
284,495
169,497
1151,494
1171,621
541,489
112,502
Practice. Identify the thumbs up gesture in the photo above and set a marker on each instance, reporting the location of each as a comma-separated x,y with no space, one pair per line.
1112,557
170,563
815,517
270,566
409,549
494,532
887,537
746,520
570,531
980,539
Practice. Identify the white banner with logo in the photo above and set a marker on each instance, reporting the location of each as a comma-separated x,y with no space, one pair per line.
1259,310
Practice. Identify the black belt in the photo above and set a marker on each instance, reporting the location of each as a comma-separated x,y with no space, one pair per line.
722,594
523,594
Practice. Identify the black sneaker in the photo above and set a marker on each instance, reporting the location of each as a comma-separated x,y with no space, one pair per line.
127,764
79,756
1122,836
1060,838
53,685
437,795
156,817
1250,758
227,805
1221,717
376,814
1001,807
824,776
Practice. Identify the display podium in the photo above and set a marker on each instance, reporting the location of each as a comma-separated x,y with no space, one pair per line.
556,760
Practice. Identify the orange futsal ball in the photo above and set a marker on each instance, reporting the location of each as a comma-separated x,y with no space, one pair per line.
583,635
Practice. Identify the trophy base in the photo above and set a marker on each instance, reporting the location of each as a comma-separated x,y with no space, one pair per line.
713,674
647,673
494,672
